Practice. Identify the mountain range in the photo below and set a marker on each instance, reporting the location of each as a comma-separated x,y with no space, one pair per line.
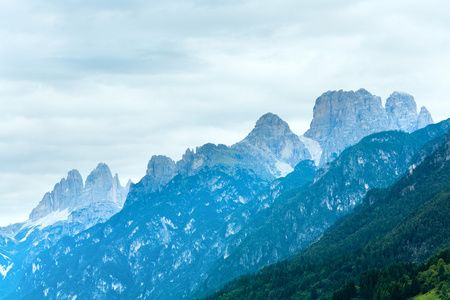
405,222
72,207
188,227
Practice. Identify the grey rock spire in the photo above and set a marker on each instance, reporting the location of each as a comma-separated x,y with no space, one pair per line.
401,110
273,135
424,118
65,194
341,118
71,194
160,170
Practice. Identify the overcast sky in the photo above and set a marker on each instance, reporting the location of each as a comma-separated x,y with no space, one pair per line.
83,82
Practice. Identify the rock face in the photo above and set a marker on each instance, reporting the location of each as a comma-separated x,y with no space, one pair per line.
401,110
274,136
98,184
207,227
64,195
269,151
376,161
160,170
185,222
70,193
67,210
161,167
424,118
342,118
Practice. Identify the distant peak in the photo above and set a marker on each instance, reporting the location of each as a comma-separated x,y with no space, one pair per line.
116,179
344,97
160,159
424,118
99,175
401,109
74,175
400,93
268,117
269,125
270,121
161,166
405,100
424,110
102,166
274,136
363,91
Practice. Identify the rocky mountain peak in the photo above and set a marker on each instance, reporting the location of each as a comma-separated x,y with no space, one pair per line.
98,184
101,176
342,118
160,170
340,107
424,118
75,176
268,126
116,179
161,167
273,135
270,121
70,193
63,195
401,110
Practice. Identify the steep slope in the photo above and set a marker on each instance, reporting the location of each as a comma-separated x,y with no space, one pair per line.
343,118
405,222
429,280
163,244
69,209
271,150
401,110
79,206
377,161
424,118
273,136
169,235
163,237
168,242
223,197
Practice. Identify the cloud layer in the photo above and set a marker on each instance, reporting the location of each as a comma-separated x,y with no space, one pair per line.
83,82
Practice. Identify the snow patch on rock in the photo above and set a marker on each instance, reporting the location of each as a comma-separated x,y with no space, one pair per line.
313,147
48,220
283,168
4,270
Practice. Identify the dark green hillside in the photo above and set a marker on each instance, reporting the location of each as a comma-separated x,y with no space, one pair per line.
300,216
405,222
430,280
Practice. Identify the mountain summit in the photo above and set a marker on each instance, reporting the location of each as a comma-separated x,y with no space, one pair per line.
401,110
343,118
220,211
71,207
64,195
273,135
69,193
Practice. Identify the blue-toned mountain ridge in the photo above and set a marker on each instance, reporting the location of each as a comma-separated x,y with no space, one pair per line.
193,215
71,207
373,252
